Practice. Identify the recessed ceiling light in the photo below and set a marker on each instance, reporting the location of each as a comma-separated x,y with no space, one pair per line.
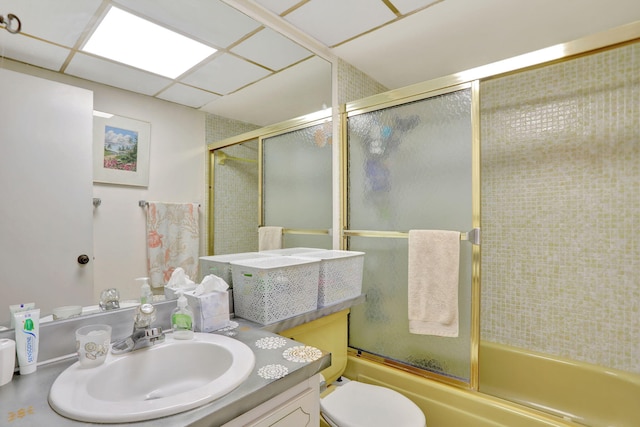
129,39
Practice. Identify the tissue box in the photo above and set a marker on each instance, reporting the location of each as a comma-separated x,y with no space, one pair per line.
172,293
210,311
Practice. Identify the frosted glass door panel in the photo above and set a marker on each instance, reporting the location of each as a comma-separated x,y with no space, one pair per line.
297,179
381,326
410,168
307,241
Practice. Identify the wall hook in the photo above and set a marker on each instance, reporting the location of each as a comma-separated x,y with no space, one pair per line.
9,23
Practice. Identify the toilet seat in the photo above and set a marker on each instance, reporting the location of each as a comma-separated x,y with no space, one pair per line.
356,404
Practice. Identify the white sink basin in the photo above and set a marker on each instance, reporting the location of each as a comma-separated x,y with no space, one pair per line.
161,380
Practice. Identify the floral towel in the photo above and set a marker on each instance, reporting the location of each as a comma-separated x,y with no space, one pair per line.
173,240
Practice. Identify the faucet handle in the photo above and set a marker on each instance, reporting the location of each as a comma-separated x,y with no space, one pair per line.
145,316
153,333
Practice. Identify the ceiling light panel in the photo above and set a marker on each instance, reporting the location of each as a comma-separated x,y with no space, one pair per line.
271,49
129,39
210,21
334,21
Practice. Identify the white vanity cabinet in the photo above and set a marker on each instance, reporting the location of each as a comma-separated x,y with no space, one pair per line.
297,407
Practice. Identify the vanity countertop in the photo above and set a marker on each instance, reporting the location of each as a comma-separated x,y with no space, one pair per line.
23,401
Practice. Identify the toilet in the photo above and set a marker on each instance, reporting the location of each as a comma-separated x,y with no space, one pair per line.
348,403
356,404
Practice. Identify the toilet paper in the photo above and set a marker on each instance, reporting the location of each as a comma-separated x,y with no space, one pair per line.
7,360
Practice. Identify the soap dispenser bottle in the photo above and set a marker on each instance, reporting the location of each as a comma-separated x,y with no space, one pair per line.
182,320
146,296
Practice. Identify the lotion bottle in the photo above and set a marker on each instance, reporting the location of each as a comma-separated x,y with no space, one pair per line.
146,296
182,320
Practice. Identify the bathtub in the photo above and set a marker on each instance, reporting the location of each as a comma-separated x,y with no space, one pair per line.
587,394
553,392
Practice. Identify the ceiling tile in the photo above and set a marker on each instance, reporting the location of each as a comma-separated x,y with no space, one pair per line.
32,51
271,49
210,21
278,6
407,6
62,23
333,21
302,89
187,95
225,74
112,74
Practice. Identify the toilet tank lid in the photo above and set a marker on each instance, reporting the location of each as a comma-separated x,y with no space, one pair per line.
356,404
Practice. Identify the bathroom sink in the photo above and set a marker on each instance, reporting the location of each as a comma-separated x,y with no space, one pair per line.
161,380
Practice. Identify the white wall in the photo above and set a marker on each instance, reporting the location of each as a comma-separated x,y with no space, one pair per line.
176,174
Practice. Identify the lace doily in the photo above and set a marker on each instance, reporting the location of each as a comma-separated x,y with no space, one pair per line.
271,343
232,325
272,372
302,354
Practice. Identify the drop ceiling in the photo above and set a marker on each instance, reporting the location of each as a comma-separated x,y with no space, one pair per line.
261,75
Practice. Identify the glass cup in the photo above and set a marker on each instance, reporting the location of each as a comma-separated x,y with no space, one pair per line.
92,344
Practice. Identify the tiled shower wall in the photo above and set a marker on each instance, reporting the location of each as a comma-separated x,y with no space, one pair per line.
236,208
561,209
353,84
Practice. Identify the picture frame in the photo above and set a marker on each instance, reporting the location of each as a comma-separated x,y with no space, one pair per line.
120,150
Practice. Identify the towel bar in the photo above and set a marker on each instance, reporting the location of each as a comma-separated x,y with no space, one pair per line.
144,203
472,236
321,232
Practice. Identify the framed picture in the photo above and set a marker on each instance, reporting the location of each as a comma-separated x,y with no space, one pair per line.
120,150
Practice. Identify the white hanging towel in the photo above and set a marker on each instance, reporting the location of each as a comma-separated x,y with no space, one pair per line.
434,260
269,238
173,240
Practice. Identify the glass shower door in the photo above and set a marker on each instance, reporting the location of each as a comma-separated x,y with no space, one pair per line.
296,185
410,167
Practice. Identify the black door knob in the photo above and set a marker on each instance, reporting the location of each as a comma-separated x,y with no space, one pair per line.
83,259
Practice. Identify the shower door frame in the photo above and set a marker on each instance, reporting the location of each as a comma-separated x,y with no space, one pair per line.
393,99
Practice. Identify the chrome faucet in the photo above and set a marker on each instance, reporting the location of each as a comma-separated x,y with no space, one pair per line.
144,335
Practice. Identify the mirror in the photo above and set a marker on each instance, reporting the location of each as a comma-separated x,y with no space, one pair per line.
296,164
177,169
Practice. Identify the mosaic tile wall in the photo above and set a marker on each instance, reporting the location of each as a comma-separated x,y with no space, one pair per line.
353,84
561,209
218,128
235,226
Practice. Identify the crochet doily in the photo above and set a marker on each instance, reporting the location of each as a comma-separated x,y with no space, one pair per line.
272,372
302,354
232,325
271,342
